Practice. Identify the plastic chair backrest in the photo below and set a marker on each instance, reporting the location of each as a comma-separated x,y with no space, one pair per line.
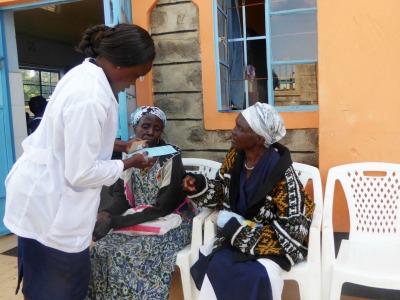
372,191
187,256
208,168
203,166
308,272
305,174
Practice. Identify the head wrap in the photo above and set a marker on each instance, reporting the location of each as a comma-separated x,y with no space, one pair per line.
265,121
147,110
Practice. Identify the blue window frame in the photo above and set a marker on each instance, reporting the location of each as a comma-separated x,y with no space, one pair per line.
116,12
7,153
262,39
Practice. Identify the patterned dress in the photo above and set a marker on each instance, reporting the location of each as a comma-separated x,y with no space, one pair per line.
138,267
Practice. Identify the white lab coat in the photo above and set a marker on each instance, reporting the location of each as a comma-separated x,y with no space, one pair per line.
53,190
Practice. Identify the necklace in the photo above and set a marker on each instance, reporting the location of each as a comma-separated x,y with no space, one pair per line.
247,168
251,168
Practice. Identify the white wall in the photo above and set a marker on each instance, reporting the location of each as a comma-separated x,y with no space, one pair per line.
39,52
16,88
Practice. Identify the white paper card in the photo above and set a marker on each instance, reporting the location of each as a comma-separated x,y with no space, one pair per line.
156,151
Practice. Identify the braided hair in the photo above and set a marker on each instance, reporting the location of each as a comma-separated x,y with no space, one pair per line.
124,45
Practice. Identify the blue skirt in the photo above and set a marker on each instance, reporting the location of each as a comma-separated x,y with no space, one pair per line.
52,274
232,280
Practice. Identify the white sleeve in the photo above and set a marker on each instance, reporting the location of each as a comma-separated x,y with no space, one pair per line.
84,124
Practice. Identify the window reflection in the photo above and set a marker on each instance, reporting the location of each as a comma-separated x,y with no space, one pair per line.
279,5
297,85
294,37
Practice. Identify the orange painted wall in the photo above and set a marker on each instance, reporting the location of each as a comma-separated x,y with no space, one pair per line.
359,63
15,2
141,10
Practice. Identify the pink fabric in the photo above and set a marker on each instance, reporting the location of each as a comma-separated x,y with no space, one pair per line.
142,228
129,195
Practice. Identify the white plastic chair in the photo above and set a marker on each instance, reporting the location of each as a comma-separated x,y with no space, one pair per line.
308,272
189,255
371,255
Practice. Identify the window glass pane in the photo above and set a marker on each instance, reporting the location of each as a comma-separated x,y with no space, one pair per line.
54,78
45,77
224,87
255,18
30,91
31,77
222,47
294,37
297,85
278,5
223,50
221,24
46,90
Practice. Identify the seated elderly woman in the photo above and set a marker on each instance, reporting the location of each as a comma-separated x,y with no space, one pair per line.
141,266
265,213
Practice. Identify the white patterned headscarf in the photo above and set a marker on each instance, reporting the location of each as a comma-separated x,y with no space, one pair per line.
266,122
147,110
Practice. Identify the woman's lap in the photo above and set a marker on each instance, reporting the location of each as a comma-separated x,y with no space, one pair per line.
239,280
126,267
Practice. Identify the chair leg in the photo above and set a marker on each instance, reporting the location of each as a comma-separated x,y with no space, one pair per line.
303,291
309,288
336,288
309,292
186,284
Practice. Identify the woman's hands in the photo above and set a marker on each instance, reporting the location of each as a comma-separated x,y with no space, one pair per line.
129,146
140,161
103,215
135,144
224,216
189,184
102,226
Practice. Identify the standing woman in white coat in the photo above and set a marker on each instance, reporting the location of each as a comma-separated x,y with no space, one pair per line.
53,190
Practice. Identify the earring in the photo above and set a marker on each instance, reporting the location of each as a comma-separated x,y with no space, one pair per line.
118,67
141,78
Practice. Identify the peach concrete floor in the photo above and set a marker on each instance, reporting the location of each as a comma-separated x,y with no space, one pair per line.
8,277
